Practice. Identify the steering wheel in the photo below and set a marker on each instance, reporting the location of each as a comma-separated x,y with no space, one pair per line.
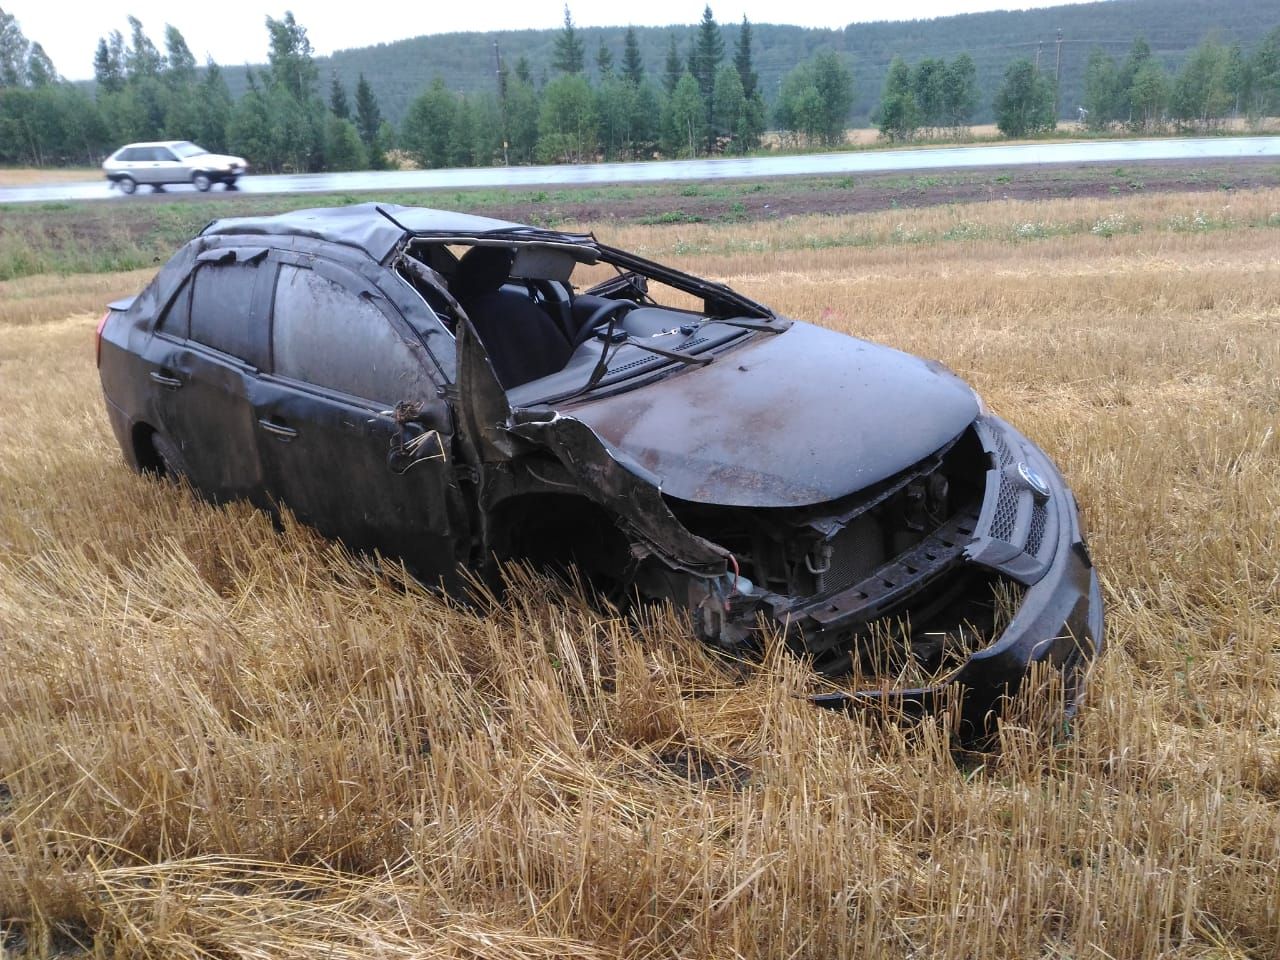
588,328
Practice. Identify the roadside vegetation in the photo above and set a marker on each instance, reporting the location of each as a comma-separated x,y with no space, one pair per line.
222,737
109,235
704,96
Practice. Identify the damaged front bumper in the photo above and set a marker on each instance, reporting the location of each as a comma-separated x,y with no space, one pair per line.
1025,532
999,581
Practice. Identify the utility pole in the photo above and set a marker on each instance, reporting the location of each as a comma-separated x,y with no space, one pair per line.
501,76
1057,78
1039,47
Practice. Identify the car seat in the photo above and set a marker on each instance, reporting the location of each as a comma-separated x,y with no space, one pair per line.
522,340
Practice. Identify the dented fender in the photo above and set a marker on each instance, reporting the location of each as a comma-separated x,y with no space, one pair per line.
628,492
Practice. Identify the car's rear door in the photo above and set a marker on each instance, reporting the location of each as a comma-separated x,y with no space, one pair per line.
201,364
333,445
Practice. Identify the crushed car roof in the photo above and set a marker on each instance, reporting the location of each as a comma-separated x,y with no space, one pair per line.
378,228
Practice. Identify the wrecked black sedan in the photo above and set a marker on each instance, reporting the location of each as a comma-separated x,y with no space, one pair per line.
458,391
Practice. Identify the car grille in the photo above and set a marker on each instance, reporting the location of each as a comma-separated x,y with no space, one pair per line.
1006,518
1013,501
1035,537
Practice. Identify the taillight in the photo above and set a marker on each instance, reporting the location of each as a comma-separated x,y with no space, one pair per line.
97,339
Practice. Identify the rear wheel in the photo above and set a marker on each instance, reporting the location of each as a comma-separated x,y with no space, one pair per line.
201,181
168,457
127,184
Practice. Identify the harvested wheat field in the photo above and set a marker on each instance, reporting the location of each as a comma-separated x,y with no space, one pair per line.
219,738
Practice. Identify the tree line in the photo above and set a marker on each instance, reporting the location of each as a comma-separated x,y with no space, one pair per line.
400,70
704,98
1217,82
1139,94
705,101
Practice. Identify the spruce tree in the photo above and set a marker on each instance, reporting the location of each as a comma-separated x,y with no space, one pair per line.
338,104
569,53
632,62
368,116
708,51
604,61
674,68
742,60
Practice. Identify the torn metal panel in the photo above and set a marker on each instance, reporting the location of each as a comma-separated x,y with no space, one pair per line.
628,491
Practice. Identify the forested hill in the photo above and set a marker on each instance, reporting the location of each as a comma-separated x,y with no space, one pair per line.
399,71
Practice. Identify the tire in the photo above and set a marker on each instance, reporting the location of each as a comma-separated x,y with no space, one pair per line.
127,185
169,458
200,180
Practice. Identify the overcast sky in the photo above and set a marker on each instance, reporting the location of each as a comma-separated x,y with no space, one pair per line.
234,33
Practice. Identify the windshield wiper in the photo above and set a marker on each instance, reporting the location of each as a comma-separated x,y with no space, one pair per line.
680,355
772,325
609,348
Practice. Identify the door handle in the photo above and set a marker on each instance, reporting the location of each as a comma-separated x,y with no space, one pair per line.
173,383
278,430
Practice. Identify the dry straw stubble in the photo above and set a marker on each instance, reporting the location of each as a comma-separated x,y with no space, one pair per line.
220,738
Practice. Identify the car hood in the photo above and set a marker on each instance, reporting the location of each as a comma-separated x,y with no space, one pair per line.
214,160
788,420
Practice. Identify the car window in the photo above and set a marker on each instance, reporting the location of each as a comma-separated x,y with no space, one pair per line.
176,320
188,149
324,334
128,155
164,153
221,310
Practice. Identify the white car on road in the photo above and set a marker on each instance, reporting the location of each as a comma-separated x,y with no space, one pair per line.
171,161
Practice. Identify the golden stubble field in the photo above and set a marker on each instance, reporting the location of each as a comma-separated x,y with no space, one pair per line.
220,740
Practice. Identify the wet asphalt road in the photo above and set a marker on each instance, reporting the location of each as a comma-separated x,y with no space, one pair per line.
597,174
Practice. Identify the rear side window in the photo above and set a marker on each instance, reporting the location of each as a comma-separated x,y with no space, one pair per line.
129,154
222,310
326,335
176,321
